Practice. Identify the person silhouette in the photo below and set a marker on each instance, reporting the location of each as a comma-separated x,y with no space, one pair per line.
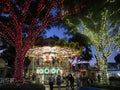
51,82
58,79
71,79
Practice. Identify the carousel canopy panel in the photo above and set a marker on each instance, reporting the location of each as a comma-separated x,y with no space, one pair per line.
47,53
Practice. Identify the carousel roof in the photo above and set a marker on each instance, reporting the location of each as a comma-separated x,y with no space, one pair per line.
60,51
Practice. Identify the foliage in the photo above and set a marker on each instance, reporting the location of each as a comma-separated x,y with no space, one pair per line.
80,38
93,10
82,41
56,41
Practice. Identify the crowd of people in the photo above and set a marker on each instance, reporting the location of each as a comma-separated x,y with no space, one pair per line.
70,80
59,80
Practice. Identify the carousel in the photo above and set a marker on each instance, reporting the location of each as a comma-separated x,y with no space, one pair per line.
48,60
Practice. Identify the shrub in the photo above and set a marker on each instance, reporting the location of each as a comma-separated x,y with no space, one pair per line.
114,78
108,87
23,87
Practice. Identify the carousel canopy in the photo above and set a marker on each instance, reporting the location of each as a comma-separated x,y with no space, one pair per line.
38,52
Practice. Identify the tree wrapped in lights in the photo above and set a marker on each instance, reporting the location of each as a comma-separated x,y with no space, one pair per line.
27,18
100,23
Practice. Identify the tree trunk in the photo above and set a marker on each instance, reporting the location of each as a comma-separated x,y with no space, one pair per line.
104,75
103,72
19,63
19,68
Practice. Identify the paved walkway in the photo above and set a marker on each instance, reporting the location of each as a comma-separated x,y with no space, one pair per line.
63,87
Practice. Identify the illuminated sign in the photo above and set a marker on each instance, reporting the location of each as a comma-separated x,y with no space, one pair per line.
47,70
40,71
53,70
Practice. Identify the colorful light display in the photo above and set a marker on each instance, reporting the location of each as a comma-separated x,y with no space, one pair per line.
48,70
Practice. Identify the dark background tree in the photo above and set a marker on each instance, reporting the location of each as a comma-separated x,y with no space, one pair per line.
9,56
86,54
80,38
117,58
83,41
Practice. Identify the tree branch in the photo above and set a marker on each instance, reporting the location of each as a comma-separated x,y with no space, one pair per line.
7,39
54,4
45,20
114,12
25,10
8,30
14,18
40,8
